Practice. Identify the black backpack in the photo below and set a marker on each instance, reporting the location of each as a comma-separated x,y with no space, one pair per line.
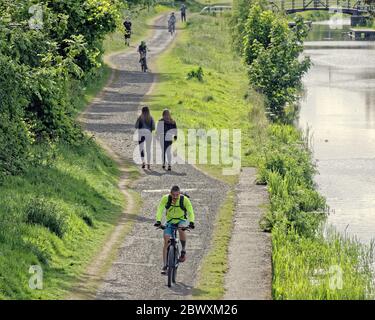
181,204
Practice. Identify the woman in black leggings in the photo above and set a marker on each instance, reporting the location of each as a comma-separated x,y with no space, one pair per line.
166,132
145,125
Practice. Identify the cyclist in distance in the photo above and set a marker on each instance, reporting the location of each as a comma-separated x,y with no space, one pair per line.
172,24
142,50
178,210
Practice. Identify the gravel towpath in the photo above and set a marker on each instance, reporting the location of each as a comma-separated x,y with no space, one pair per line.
135,273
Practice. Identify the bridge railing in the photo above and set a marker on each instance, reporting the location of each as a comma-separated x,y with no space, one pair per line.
320,4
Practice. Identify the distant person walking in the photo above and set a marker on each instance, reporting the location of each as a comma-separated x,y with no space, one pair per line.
128,31
145,125
166,133
183,13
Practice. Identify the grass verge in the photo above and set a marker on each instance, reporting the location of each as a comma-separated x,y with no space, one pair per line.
210,283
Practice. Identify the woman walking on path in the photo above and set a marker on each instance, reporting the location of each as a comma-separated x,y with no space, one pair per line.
145,125
166,133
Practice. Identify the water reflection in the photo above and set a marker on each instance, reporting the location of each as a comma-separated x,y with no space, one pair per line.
339,107
330,30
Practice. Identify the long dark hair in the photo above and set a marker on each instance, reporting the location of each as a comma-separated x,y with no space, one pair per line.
167,116
146,115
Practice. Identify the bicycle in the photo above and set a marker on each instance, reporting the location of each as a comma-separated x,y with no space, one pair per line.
171,28
173,253
143,64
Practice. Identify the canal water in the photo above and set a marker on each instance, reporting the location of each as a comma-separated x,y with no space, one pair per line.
339,108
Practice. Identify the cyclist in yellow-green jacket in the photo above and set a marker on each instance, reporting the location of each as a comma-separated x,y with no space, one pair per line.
178,210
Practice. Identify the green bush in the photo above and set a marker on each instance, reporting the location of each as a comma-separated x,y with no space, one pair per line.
47,214
15,139
196,74
43,72
286,167
208,98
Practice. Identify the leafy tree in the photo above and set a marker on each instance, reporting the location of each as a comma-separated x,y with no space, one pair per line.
240,14
42,68
277,69
257,31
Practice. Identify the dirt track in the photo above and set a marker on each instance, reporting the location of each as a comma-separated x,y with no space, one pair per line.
136,271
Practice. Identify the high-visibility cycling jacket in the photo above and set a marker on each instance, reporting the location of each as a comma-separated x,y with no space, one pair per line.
175,214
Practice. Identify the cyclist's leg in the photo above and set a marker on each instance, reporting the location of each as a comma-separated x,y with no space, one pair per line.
182,234
167,236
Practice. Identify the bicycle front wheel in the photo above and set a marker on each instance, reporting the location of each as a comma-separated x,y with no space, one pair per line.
171,265
174,274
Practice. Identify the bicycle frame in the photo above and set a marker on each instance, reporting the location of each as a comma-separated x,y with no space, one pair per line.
173,242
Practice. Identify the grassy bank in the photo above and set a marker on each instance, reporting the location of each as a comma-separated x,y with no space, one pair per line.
328,266
60,211
55,216
310,260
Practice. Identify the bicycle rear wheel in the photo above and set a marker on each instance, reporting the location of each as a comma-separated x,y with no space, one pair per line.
171,265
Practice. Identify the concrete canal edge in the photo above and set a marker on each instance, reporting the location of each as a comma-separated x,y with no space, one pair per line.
249,258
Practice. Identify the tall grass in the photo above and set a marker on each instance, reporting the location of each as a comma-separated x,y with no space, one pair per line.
325,267
310,260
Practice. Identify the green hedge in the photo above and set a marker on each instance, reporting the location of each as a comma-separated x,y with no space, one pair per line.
43,67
